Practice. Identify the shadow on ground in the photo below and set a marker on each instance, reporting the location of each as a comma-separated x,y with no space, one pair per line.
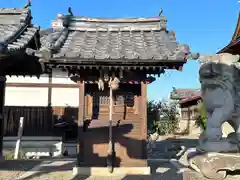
159,170
171,148
63,167
19,165
161,167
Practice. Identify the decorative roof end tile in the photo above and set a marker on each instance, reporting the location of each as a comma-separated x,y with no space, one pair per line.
28,5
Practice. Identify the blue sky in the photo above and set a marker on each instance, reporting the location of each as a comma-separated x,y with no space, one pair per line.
205,25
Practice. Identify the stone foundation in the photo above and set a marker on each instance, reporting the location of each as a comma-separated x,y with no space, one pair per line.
103,171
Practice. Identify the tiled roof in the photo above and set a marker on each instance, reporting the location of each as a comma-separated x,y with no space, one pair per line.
184,93
107,40
16,30
191,98
119,45
45,32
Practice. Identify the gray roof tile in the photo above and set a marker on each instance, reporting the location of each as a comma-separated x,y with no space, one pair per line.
142,39
120,45
16,30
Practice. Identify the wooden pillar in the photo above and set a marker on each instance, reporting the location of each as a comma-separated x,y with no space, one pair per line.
80,137
144,117
88,107
49,107
2,99
136,104
50,91
187,131
111,151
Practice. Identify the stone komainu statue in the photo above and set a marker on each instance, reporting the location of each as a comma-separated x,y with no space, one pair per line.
220,84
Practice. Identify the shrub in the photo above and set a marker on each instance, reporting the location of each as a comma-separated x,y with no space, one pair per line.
9,155
202,118
162,117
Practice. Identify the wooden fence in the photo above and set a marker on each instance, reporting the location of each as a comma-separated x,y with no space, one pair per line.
38,121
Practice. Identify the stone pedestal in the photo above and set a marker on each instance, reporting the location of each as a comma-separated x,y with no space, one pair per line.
218,151
214,165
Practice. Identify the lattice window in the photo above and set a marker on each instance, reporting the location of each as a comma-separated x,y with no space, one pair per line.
125,98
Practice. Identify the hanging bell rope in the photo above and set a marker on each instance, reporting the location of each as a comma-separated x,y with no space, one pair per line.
113,85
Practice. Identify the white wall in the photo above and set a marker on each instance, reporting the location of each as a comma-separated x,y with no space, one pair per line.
63,80
65,97
60,77
22,96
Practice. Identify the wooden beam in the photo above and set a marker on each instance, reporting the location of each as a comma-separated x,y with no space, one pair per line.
2,99
42,85
144,117
81,109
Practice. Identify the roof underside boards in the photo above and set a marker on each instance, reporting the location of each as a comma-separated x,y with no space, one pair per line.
133,40
233,46
237,29
16,30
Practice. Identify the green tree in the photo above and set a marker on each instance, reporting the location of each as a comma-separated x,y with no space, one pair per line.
162,117
202,118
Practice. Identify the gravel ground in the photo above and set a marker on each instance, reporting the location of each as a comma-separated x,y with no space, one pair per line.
11,169
52,171
169,148
61,169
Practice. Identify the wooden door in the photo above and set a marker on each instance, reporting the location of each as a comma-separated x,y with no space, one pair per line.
126,101
100,106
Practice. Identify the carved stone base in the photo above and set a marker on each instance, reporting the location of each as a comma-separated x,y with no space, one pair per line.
214,165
